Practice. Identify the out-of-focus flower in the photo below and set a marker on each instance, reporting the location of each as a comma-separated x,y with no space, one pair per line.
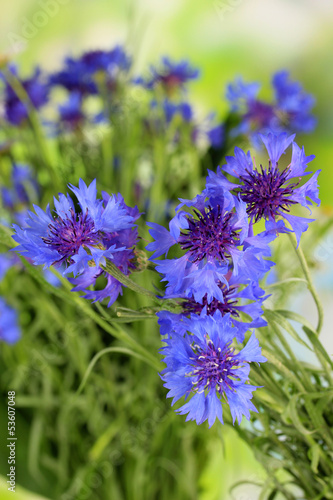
71,115
24,188
6,262
81,75
290,111
202,363
269,193
16,110
170,75
9,328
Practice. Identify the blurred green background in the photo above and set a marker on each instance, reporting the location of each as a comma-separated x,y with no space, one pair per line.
224,38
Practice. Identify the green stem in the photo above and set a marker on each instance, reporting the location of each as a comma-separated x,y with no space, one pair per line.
122,350
312,290
112,269
22,94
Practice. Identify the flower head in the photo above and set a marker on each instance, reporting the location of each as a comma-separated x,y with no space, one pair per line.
79,240
214,238
9,329
289,111
270,192
203,363
79,75
293,104
238,298
170,75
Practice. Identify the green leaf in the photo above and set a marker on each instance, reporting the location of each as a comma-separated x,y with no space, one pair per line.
294,317
107,350
312,336
286,282
36,273
5,236
240,483
291,411
273,494
67,295
280,366
314,454
127,315
281,321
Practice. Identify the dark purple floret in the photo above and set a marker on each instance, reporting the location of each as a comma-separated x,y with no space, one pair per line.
210,235
69,234
260,113
214,367
228,306
263,192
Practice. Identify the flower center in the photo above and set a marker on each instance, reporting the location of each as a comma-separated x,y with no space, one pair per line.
210,235
228,306
264,194
69,234
260,114
214,368
171,80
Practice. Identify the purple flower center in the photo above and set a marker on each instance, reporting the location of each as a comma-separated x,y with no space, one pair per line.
264,194
260,113
171,80
210,235
228,306
213,368
69,234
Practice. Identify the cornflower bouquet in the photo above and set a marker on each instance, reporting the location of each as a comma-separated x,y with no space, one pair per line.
159,217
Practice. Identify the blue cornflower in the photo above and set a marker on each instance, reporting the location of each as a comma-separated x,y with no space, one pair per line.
109,61
269,193
170,75
79,75
293,104
203,363
237,299
54,241
289,111
9,329
81,242
214,238
240,296
37,90
74,78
